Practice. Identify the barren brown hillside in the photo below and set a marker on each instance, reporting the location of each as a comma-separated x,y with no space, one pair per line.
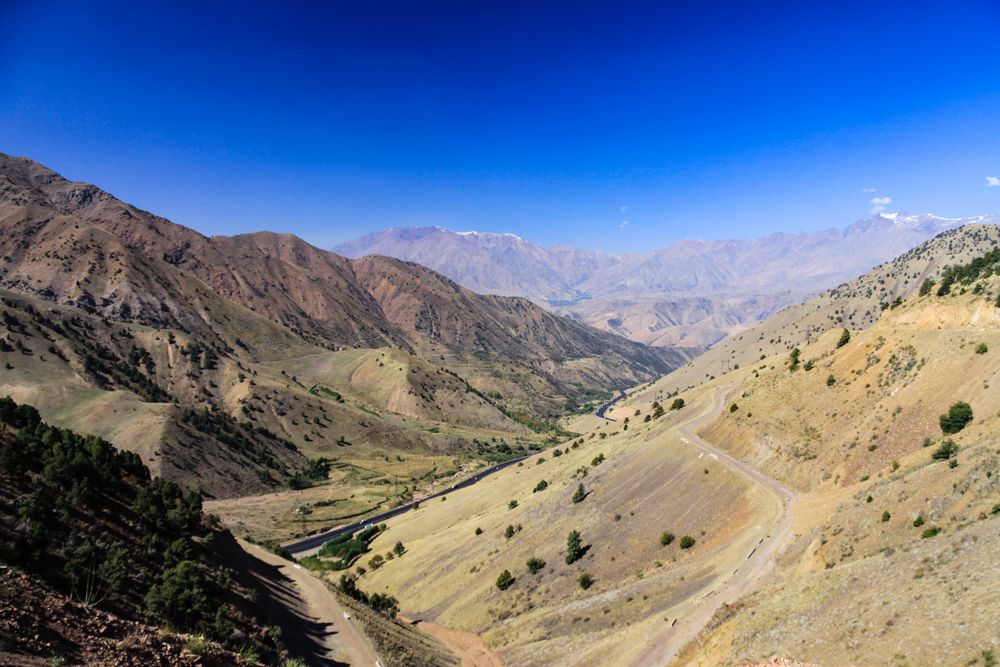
259,332
855,305
687,294
640,483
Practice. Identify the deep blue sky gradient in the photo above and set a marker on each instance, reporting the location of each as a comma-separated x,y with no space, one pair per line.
552,120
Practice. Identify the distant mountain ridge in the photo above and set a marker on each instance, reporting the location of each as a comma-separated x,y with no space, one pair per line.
856,304
689,293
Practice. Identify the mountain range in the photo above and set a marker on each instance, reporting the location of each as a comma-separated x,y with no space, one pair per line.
134,305
797,495
820,484
688,294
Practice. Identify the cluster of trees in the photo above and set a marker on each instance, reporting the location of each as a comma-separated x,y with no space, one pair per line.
78,468
574,547
947,450
108,371
574,552
242,438
498,452
793,359
845,338
140,356
958,417
981,267
89,520
104,366
505,580
383,604
667,538
378,560
204,356
316,471
347,548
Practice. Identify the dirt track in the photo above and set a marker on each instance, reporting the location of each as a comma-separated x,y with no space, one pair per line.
469,647
750,572
344,644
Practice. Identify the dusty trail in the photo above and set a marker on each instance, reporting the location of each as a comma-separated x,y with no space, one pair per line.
695,614
342,641
468,647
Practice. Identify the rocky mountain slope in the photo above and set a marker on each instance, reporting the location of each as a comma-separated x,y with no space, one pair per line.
226,362
856,304
899,503
688,294
640,482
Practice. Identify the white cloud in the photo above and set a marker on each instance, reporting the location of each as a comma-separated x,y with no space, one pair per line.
992,181
867,190
879,204
623,208
622,224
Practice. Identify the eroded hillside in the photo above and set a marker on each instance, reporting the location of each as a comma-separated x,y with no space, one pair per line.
899,504
234,363
660,523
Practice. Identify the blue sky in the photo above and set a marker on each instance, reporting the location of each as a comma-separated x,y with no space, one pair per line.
556,121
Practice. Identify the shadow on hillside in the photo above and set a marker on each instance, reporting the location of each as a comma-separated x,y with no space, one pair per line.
279,602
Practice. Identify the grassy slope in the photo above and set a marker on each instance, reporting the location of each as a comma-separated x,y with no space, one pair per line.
854,589
850,590
650,480
855,305
407,424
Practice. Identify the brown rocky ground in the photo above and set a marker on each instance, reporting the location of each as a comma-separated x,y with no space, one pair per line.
39,626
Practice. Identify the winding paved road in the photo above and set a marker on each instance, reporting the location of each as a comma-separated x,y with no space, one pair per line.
751,571
601,411
306,544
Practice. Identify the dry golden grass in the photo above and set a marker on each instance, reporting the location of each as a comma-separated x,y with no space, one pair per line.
650,483
855,589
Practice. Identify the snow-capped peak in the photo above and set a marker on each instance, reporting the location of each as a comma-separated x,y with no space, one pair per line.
487,234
